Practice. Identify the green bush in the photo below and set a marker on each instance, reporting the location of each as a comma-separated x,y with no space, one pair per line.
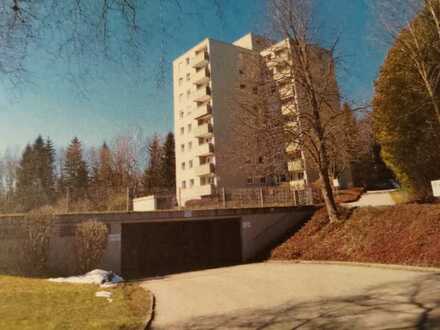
90,242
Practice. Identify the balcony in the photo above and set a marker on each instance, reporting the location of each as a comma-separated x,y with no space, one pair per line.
202,77
203,111
201,59
286,92
205,149
205,190
202,94
205,169
296,165
204,130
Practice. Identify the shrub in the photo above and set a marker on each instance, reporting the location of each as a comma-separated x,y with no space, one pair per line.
90,241
36,229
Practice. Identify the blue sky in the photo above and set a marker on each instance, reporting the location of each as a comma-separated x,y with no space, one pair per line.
117,100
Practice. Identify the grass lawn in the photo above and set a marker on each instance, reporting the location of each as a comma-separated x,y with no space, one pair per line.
39,304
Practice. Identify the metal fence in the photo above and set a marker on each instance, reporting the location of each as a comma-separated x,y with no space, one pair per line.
255,197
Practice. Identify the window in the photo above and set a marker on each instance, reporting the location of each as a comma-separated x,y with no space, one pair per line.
180,81
255,90
250,180
260,160
182,148
191,183
183,184
181,97
189,128
188,93
181,113
190,145
188,76
182,130
180,66
187,60
190,164
263,180
242,86
183,166
273,89
241,71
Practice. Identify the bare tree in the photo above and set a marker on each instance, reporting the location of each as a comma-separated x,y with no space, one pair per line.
290,111
415,18
82,33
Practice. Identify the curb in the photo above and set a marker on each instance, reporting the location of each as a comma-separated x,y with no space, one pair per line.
150,317
360,264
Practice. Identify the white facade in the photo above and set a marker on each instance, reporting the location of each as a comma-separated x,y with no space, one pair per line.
206,79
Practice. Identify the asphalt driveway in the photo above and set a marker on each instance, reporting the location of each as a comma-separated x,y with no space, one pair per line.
297,296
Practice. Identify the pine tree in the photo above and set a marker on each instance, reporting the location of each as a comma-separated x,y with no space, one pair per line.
169,163
153,173
75,170
105,169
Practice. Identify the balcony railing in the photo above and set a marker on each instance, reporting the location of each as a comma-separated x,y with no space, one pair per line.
203,130
296,165
202,94
286,92
202,77
201,59
205,149
202,111
205,169
205,190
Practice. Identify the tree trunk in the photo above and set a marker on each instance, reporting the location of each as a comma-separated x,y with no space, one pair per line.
327,194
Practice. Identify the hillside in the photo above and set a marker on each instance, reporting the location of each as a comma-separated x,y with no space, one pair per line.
402,234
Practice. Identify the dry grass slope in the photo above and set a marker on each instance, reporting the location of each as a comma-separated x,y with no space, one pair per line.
406,234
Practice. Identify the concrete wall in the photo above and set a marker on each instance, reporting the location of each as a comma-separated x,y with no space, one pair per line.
260,231
260,228
148,203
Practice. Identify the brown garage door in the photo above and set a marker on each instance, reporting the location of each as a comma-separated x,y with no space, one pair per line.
159,248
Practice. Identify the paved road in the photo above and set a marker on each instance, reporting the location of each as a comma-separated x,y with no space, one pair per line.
374,198
297,296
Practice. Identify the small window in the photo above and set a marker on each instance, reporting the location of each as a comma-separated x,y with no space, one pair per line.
181,97
187,60
182,148
190,145
191,183
255,90
188,76
250,180
183,166
263,180
181,113
190,164
241,71
242,86
189,128
273,89
183,184
260,160
182,130
180,81
188,93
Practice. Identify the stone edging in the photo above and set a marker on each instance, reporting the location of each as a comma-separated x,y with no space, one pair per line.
360,264
150,316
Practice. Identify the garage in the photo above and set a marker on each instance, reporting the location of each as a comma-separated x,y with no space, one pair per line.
166,247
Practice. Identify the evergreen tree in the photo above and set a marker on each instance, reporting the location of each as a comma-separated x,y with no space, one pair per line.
75,170
105,168
169,162
153,173
25,184
405,120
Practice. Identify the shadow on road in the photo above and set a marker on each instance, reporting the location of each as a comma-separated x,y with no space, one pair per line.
398,305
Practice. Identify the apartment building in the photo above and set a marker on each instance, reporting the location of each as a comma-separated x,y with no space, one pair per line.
214,83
